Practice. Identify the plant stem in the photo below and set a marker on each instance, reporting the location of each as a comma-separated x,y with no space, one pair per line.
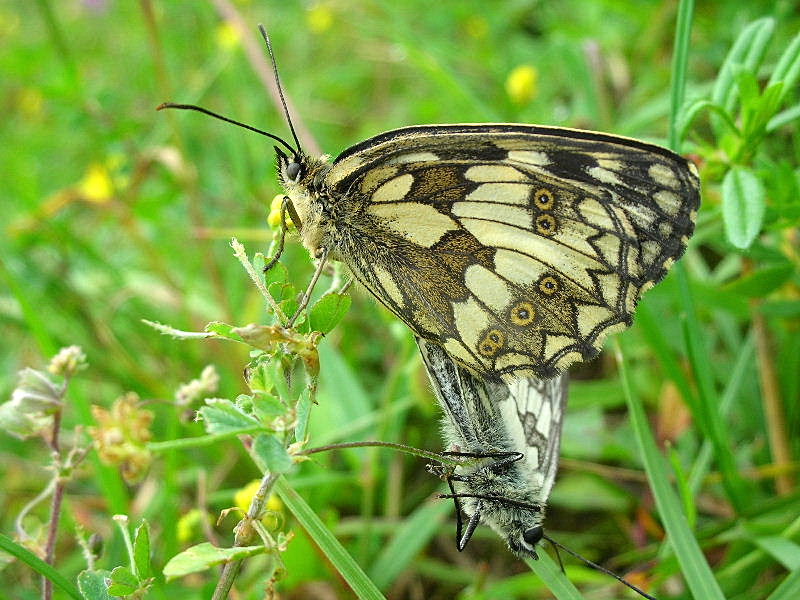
773,405
244,535
55,508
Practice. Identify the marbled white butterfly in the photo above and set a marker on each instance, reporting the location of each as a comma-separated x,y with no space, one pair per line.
508,436
516,248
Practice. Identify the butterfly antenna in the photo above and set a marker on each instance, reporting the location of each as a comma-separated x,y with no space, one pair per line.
210,113
280,87
594,565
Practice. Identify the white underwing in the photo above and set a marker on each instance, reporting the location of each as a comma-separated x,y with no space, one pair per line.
508,435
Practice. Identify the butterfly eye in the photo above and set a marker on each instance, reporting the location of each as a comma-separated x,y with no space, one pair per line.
293,170
533,535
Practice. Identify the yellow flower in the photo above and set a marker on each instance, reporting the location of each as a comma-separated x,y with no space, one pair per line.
320,18
96,185
274,218
244,497
190,524
228,36
521,84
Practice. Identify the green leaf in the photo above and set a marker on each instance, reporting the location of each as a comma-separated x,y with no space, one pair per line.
407,541
303,408
328,311
787,70
273,453
141,550
123,582
747,85
693,564
553,577
783,550
205,555
223,330
344,564
221,416
277,274
746,53
743,205
789,589
37,564
266,406
694,110
783,118
92,585
763,282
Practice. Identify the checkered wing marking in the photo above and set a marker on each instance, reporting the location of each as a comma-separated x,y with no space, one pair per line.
517,248
538,406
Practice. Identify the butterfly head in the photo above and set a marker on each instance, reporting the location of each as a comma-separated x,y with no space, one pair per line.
522,540
518,523
303,180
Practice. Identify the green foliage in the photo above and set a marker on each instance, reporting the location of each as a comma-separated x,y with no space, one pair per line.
114,214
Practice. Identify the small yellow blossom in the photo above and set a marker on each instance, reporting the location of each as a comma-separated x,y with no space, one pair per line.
320,18
190,525
274,218
244,497
521,84
228,36
96,185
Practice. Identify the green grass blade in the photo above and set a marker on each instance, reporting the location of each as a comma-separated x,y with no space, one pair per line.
789,589
693,564
736,379
706,410
549,572
413,535
745,51
788,68
680,58
38,565
363,587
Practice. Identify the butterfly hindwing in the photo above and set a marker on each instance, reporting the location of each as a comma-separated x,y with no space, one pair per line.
517,248
494,419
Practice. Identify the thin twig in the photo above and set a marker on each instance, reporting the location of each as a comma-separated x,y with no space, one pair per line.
244,535
19,526
773,405
240,253
55,507
307,295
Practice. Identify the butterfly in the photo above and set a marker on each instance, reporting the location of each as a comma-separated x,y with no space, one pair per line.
508,436
516,248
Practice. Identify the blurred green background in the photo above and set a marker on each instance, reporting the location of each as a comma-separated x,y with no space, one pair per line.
112,213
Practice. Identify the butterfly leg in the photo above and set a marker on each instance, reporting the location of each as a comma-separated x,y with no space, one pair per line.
307,294
286,205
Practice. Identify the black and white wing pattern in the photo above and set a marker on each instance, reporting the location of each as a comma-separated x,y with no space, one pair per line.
508,435
517,248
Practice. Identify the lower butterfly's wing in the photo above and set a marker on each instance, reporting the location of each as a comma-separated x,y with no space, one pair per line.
517,248
524,416
538,406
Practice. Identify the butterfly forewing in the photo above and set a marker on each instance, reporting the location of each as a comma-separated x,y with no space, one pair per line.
517,248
